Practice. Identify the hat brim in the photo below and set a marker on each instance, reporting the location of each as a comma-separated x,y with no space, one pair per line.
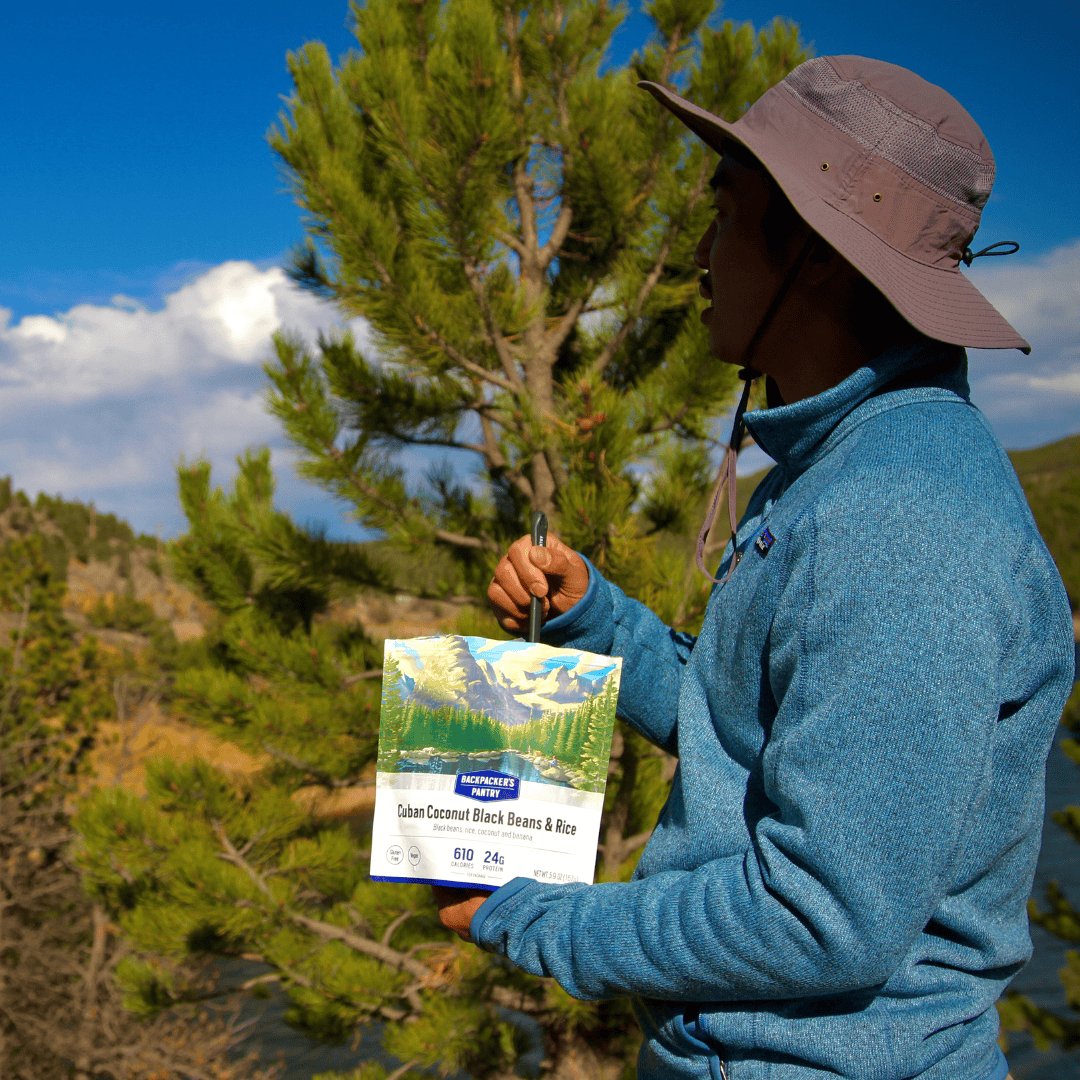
938,300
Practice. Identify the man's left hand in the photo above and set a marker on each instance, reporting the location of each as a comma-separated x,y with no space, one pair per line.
457,907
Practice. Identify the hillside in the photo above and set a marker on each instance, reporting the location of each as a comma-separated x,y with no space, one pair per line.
1051,478
121,591
117,580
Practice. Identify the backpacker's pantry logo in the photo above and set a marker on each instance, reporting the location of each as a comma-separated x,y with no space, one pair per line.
487,786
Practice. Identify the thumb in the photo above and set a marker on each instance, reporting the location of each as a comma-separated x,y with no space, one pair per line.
550,560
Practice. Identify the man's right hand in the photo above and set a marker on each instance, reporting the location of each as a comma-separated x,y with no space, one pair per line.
555,573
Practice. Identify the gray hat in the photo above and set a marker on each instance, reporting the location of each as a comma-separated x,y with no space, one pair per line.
890,170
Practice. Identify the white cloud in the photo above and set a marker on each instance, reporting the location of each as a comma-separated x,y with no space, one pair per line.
101,402
1033,399
224,422
221,319
1069,383
68,468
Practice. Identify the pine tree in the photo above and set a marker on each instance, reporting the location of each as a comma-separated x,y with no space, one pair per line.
516,222
596,748
52,692
392,712
274,680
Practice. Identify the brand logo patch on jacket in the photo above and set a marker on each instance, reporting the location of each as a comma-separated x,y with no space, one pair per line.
764,542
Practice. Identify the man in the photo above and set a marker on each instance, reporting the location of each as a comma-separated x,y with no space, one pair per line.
836,886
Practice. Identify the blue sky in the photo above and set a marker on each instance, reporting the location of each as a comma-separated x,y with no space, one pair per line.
145,222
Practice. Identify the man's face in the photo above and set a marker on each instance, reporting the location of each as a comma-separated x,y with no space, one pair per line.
741,274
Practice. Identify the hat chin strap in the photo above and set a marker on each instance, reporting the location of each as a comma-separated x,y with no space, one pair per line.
726,475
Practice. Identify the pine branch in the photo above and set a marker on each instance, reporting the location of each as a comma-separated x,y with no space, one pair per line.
669,423
328,931
510,383
616,851
463,361
652,168
523,195
471,542
323,779
671,51
361,676
446,536
511,241
607,354
388,933
399,961
383,953
557,238
421,440
497,460
91,977
561,228
615,342
495,334
564,326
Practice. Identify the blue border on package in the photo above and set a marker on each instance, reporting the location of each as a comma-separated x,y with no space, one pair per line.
435,881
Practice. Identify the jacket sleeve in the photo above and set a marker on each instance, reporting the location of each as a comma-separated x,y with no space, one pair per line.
605,620
883,661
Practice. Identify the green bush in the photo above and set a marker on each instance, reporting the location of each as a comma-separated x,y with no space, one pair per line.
122,612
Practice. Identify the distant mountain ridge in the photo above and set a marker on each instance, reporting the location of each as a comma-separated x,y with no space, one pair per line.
69,529
452,676
1050,476
116,579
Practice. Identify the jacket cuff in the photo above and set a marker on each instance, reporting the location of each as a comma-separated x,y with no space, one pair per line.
500,896
588,625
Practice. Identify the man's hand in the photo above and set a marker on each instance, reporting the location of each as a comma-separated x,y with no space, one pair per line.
457,907
556,574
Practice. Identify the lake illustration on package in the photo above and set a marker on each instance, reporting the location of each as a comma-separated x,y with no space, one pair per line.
493,758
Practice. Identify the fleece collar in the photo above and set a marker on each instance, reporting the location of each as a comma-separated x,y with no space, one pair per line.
795,436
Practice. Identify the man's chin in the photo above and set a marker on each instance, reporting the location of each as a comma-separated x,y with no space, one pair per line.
718,348
724,354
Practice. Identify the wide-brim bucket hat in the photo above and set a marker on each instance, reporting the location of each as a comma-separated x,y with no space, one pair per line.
889,169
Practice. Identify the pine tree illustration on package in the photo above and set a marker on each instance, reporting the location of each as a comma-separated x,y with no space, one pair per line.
493,758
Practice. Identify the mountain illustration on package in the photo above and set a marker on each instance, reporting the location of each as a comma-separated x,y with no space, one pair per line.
493,758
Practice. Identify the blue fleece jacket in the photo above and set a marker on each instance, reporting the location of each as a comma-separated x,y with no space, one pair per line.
836,886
